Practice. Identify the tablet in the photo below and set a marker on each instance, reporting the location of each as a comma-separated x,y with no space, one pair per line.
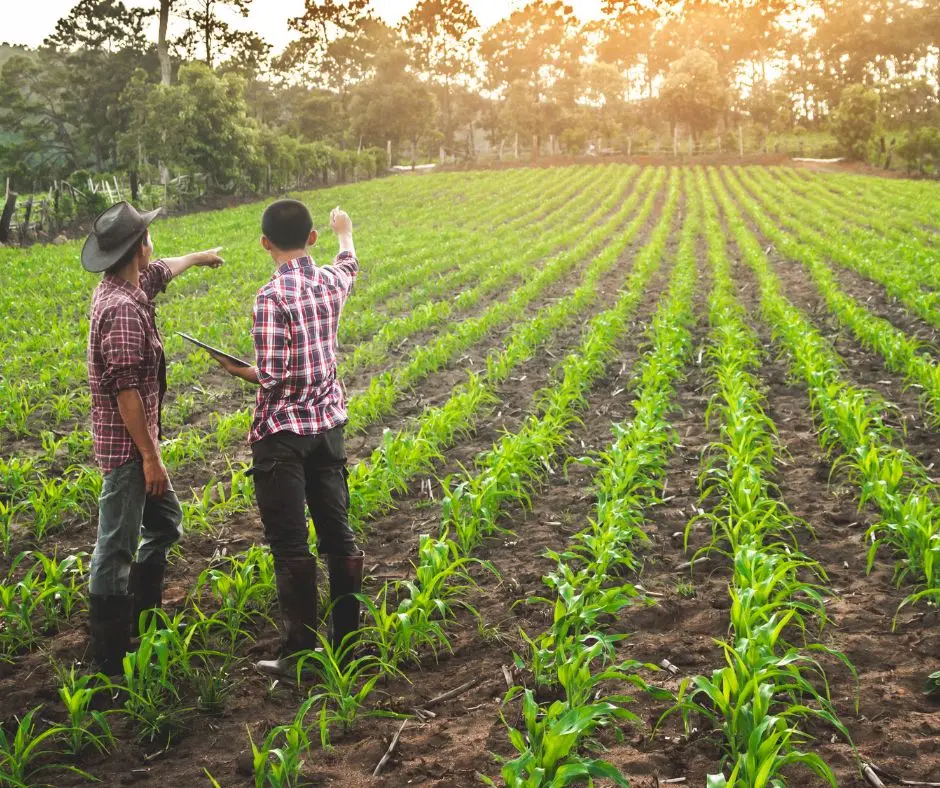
213,350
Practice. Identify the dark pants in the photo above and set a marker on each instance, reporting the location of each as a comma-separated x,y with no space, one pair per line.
291,470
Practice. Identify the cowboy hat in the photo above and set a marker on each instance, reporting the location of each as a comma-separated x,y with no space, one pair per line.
114,232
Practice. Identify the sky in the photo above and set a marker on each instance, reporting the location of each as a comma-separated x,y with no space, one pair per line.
30,23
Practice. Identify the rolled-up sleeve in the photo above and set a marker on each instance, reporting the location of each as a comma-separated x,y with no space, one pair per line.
154,280
123,342
271,335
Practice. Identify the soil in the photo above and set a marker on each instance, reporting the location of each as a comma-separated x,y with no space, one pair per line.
893,725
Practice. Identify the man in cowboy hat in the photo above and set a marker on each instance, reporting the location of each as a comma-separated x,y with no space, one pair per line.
139,514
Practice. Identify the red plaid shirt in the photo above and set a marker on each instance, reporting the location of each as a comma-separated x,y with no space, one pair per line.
125,352
296,318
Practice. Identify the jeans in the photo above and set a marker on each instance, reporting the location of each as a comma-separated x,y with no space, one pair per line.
129,522
291,470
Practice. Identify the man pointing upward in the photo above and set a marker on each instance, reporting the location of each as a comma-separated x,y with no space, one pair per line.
297,433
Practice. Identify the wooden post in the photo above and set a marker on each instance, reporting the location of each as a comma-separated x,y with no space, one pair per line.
388,149
24,228
629,146
535,147
551,144
691,145
741,140
9,208
516,145
675,140
443,155
502,144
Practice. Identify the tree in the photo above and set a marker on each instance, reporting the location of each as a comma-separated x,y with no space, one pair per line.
439,35
200,124
211,36
540,45
534,55
103,25
393,105
694,92
322,23
855,120
163,47
628,36
34,94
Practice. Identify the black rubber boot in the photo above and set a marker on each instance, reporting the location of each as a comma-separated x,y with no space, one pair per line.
345,581
109,632
145,587
297,597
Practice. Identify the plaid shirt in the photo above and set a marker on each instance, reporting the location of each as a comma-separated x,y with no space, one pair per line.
125,352
296,318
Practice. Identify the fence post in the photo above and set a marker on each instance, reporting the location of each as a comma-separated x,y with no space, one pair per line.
9,208
24,228
516,145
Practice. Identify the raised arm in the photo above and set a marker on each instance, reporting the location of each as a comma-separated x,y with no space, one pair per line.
178,265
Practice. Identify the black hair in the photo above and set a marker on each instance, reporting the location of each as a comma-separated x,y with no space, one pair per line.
129,255
287,224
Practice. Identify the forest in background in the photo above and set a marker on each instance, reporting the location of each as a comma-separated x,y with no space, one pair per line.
183,89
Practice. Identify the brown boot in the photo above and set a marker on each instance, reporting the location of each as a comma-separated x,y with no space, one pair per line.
297,597
345,582
145,586
109,632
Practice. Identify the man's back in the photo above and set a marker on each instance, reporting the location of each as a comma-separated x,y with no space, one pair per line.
297,317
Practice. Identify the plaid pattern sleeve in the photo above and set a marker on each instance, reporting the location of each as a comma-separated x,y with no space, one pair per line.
271,334
123,340
345,268
154,280
296,319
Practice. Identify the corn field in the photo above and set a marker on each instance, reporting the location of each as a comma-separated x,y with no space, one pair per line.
644,462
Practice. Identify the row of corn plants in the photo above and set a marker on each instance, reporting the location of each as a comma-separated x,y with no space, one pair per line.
809,231
914,201
852,429
384,390
493,273
574,659
769,685
853,210
514,466
902,355
396,297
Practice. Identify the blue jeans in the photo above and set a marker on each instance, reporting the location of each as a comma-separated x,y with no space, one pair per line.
129,523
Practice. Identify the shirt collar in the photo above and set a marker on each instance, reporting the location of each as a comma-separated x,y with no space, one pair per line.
117,283
293,265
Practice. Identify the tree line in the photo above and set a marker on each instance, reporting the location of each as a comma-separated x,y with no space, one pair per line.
210,97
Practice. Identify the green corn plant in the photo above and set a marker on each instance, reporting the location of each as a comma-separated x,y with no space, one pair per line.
87,726
279,759
548,746
24,756
345,682
153,680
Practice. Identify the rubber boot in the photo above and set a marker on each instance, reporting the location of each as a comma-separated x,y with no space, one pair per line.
109,632
145,586
345,582
296,580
